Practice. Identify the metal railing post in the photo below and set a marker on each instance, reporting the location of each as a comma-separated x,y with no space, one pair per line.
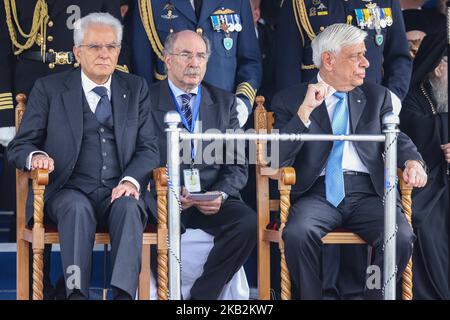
172,120
390,129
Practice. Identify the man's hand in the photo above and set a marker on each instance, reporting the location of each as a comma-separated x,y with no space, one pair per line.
125,188
209,207
314,97
41,161
414,174
446,149
186,202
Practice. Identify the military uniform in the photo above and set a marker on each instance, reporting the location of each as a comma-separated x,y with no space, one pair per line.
235,62
387,48
53,27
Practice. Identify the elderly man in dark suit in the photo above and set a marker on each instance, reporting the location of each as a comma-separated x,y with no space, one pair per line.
91,129
203,107
340,183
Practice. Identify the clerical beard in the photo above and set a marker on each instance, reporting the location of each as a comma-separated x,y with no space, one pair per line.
440,93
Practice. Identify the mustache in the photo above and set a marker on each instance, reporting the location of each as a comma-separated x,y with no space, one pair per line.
192,72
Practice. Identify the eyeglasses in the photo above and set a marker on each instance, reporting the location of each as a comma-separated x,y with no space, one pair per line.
188,56
110,47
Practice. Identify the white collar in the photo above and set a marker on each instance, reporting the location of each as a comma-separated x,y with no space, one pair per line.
178,92
331,91
88,84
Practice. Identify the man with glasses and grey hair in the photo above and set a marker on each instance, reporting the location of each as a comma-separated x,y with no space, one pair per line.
339,184
90,127
202,107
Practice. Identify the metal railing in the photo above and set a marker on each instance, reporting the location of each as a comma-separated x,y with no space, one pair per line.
175,135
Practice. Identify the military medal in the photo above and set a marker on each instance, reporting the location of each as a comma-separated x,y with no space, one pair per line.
312,12
229,23
379,39
228,42
376,19
383,23
215,23
238,25
388,15
360,18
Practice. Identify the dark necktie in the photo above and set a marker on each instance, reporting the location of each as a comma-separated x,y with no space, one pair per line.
186,108
198,7
103,112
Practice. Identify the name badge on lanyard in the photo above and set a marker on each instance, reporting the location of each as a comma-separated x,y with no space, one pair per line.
192,180
192,175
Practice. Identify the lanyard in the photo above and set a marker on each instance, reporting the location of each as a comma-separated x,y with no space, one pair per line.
191,128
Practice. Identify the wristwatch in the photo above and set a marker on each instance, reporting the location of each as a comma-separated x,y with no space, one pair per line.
224,196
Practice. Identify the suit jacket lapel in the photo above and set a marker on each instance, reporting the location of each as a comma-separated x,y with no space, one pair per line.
119,101
185,8
208,115
356,104
73,105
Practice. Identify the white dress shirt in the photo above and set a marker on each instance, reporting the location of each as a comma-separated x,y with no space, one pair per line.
350,159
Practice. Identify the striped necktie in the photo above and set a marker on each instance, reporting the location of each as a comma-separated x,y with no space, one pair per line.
186,108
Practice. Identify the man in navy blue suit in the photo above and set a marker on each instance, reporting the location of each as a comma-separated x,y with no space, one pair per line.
299,22
91,129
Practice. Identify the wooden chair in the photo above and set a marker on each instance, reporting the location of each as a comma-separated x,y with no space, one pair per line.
264,122
41,234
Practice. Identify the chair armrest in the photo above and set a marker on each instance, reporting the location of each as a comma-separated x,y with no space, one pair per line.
160,178
285,175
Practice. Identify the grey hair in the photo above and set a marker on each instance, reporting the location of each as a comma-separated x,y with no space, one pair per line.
333,38
96,18
172,37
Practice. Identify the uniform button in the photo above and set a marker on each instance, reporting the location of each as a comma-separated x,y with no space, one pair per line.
102,130
171,30
103,140
322,28
104,168
104,154
50,38
199,31
50,24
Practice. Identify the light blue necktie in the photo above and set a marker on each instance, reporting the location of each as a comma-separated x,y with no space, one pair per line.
334,177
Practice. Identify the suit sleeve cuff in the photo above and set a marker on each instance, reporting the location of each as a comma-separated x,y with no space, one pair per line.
30,157
133,181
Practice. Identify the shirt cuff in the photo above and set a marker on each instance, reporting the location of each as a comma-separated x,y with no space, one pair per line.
242,111
133,181
224,196
30,157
